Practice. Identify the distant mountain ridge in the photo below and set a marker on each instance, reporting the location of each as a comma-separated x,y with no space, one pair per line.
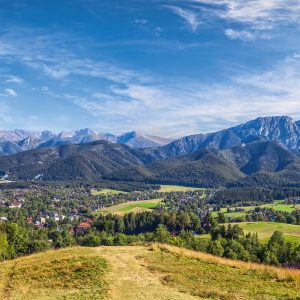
282,129
15,141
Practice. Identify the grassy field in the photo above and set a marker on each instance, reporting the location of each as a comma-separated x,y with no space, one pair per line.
277,205
131,206
137,272
177,188
163,188
266,229
106,191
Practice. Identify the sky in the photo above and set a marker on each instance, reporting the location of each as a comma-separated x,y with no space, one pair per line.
168,68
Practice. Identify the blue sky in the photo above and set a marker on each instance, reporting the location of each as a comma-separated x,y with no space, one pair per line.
167,68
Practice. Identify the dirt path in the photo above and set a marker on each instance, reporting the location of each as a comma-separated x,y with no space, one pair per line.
130,279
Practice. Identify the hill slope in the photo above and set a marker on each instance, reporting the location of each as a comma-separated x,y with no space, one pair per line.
262,161
204,167
66,162
211,167
134,272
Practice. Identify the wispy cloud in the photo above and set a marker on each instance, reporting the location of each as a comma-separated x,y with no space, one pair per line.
43,53
140,22
258,18
240,35
10,92
189,16
14,79
259,14
205,107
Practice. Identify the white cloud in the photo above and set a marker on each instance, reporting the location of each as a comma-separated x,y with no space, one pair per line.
55,72
136,100
140,21
14,79
258,14
10,92
176,110
158,31
190,17
240,35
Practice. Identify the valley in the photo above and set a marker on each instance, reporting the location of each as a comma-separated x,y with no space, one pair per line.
179,220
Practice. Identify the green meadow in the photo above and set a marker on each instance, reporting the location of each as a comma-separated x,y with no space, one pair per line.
177,188
264,230
276,205
106,192
131,206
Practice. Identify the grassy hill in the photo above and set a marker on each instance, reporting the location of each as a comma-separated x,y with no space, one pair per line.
204,168
76,273
137,272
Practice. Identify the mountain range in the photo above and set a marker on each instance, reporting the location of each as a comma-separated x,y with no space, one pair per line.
15,141
282,129
259,152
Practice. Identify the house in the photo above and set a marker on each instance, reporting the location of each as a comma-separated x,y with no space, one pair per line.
39,226
15,204
3,219
40,220
83,227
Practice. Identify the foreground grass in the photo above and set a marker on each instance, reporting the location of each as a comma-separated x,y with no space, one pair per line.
140,272
265,230
209,277
131,206
75,273
177,188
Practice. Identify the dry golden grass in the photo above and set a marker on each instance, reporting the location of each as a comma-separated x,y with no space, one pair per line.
74,273
158,271
281,273
208,277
